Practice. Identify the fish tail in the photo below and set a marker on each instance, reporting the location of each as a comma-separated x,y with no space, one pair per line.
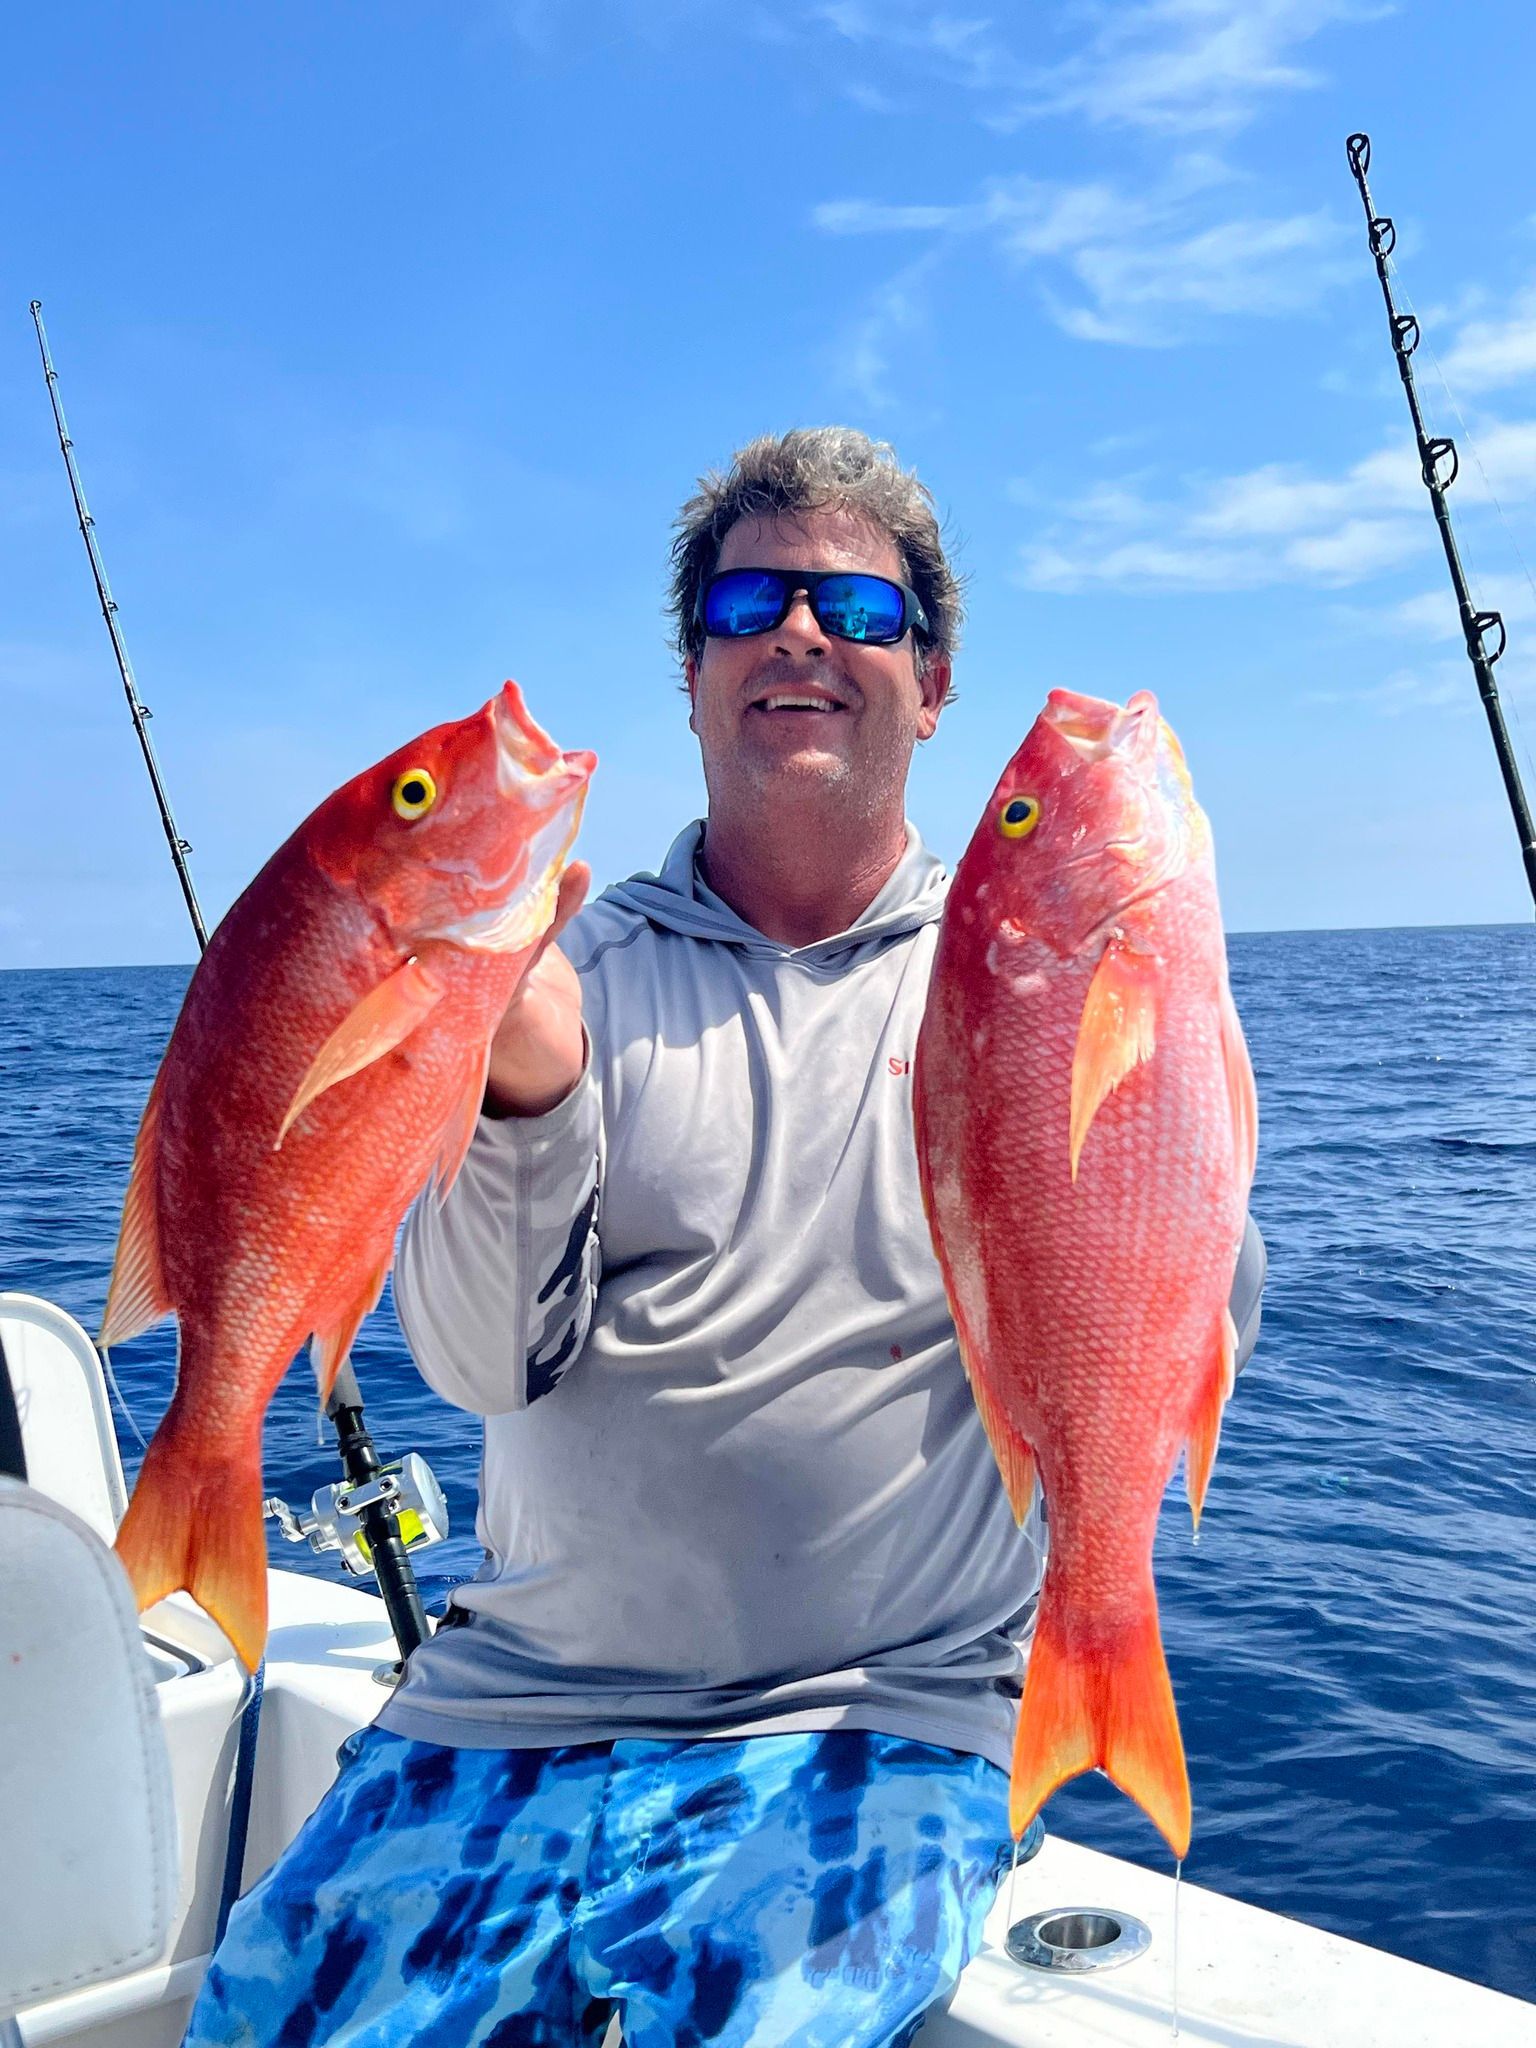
195,1524
1106,1706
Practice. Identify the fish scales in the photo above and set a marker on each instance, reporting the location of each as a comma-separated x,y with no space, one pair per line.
1084,1116
328,1060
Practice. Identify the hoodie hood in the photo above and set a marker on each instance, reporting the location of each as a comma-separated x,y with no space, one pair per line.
679,900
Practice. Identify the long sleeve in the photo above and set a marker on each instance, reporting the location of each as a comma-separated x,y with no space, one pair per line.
1247,1301
494,1289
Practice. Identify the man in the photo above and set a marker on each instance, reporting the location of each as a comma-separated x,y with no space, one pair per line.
719,1735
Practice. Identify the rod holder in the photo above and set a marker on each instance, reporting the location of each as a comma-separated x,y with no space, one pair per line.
1077,1940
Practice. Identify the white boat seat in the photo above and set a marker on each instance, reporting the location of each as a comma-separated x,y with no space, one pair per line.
86,1810
61,1399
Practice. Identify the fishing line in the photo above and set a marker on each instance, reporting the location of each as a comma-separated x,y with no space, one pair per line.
1429,347
1484,633
360,1460
128,1414
1493,498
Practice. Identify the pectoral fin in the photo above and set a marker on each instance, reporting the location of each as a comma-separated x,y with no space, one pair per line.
1118,1031
385,1016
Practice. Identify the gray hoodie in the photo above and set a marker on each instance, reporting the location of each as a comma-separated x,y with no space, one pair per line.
733,1481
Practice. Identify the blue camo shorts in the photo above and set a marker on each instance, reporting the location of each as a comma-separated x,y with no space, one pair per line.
788,1891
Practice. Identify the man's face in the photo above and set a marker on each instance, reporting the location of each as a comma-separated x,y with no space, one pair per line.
873,709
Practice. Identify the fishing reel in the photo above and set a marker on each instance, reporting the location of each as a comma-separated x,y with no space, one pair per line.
407,1489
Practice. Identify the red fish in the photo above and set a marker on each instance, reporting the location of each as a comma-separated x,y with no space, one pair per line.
329,1058
1086,1128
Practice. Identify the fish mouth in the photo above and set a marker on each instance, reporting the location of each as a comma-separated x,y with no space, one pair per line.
544,778
1095,728
521,919
524,750
529,764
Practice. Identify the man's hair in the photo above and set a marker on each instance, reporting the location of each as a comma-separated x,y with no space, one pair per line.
814,469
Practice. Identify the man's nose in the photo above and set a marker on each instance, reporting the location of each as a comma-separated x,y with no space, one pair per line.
800,626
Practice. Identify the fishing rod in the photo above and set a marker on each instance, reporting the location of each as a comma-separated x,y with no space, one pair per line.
376,1496
1439,465
137,709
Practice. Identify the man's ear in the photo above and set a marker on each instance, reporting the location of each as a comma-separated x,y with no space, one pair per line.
691,678
934,685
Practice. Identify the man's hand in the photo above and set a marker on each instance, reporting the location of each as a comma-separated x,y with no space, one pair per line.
537,1052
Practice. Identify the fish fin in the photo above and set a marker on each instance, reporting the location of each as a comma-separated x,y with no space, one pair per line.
385,1016
329,1349
195,1522
1205,1431
1245,1100
461,1129
138,1296
1109,1707
1015,1458
1118,1031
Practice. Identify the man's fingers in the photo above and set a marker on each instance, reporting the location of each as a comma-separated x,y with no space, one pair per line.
573,892
574,884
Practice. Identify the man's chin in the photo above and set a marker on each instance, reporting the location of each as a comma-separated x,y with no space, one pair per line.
805,769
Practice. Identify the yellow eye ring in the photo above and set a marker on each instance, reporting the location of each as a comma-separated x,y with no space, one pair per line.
1019,817
414,793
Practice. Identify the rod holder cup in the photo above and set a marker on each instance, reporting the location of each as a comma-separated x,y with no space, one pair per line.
1077,1939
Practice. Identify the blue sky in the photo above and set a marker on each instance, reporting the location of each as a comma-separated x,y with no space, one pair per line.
392,336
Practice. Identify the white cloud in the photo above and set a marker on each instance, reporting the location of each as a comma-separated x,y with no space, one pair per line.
1490,353
1279,499
1186,67
962,51
1443,686
1354,550
1275,524
1234,266
1432,614
869,217
862,355
1137,565
1140,265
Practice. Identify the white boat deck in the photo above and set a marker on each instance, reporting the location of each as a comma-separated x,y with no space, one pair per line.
1247,1978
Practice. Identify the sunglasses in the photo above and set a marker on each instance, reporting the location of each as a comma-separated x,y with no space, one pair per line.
848,604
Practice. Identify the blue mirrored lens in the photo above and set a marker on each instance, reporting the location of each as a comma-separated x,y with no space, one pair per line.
743,601
860,608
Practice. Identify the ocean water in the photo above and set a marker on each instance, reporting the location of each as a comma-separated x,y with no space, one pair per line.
1353,1641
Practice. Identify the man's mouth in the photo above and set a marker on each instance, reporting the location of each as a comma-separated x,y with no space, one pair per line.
795,700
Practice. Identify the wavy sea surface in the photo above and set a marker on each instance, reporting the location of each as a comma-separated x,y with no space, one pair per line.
1353,1641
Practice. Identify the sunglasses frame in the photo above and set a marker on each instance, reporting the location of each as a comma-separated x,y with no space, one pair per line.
913,618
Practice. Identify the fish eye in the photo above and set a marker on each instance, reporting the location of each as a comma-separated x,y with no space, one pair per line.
414,793
1018,817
